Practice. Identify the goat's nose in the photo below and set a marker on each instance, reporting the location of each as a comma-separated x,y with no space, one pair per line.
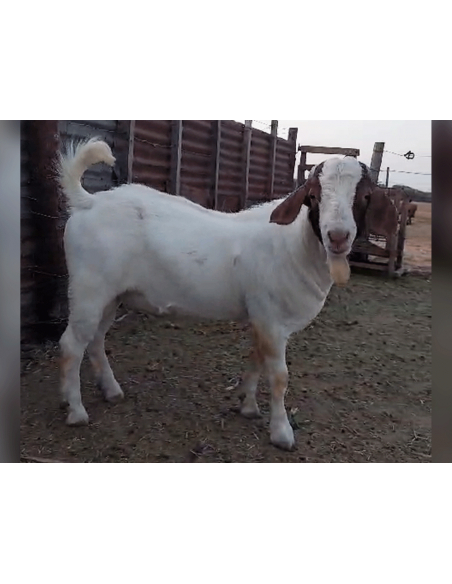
338,236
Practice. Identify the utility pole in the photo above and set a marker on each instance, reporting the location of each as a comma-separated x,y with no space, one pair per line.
387,177
375,163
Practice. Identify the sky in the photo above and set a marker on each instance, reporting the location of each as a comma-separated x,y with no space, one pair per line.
399,137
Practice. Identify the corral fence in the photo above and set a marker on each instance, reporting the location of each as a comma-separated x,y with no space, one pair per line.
221,164
378,252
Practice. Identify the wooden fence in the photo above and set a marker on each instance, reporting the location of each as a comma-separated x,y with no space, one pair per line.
221,164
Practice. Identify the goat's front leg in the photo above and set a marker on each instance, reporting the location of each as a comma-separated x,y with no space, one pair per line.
272,349
281,432
250,380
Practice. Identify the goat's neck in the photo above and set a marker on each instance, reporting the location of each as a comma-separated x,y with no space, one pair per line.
307,253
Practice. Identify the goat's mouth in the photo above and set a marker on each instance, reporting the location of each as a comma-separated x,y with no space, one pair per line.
338,252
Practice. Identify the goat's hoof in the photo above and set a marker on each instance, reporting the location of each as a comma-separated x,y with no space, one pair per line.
251,413
282,437
114,398
250,410
77,417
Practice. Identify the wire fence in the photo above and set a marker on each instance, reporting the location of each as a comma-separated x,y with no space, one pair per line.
404,155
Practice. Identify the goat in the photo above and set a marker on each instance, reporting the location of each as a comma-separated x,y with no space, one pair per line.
272,265
412,208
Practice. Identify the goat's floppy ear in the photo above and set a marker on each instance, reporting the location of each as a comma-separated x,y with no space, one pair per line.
287,211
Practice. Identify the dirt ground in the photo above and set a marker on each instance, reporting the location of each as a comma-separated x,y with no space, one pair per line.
418,242
360,387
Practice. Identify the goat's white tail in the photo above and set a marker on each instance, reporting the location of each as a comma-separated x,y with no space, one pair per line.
73,165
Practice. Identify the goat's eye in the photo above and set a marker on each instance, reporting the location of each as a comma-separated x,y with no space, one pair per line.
312,197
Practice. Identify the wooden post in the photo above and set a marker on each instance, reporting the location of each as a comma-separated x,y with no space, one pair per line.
216,161
375,163
123,141
274,143
292,137
387,177
246,155
402,230
391,246
176,156
130,152
301,169
42,143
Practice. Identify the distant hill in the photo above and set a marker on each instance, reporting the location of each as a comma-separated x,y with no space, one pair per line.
416,194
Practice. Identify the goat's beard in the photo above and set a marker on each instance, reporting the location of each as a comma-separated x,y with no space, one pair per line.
339,270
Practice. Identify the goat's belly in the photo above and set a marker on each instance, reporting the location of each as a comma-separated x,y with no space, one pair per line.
175,305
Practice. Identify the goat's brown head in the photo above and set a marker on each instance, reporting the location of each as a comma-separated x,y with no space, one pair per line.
338,194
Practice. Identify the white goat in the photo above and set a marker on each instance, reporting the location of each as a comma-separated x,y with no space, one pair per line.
165,254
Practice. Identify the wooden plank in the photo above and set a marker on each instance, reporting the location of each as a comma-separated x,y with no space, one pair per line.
176,156
273,146
216,160
329,150
370,248
246,156
370,265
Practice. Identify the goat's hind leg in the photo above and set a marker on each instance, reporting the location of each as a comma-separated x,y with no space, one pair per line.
96,351
84,319
72,346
